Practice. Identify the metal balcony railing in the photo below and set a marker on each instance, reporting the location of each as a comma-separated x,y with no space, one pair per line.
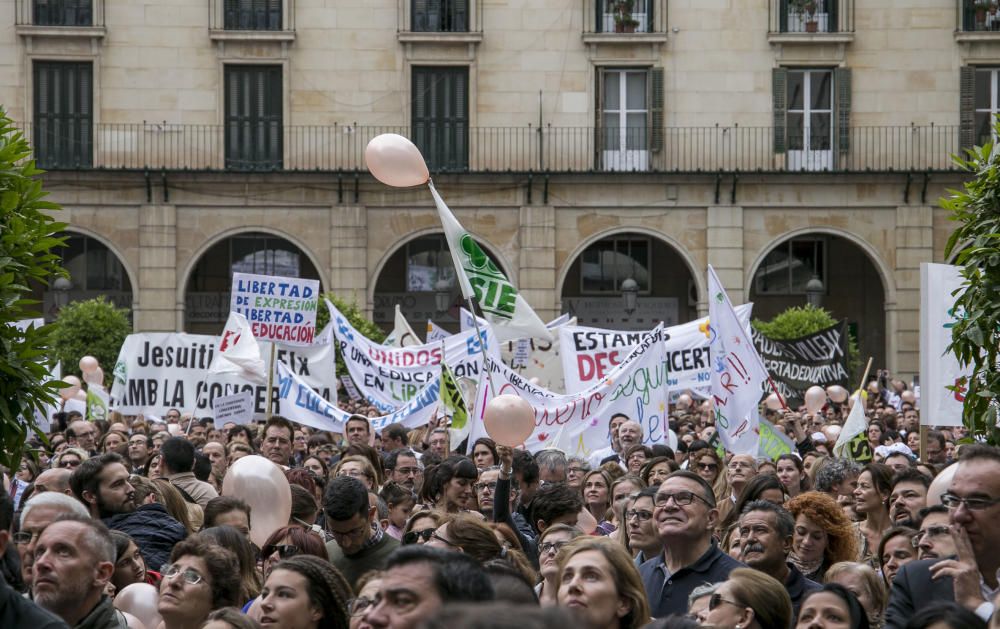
251,15
59,13
979,15
811,16
523,149
624,16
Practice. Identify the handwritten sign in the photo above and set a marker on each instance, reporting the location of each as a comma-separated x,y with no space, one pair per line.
237,408
278,308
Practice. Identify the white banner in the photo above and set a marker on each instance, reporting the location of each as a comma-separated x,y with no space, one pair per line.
281,309
301,404
533,358
402,334
939,368
578,423
436,332
589,353
157,371
388,377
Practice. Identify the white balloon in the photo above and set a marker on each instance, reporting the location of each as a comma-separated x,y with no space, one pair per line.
395,161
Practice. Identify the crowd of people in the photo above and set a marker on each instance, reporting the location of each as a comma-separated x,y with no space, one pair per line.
403,529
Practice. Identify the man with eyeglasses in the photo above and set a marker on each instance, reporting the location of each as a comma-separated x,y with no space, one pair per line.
405,469
766,532
934,540
969,578
614,448
643,539
358,544
577,468
418,582
83,435
139,447
686,516
74,561
40,511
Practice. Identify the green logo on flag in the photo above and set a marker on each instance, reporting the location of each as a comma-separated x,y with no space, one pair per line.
495,295
452,400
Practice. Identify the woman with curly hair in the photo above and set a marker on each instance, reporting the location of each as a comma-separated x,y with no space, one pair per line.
823,534
305,592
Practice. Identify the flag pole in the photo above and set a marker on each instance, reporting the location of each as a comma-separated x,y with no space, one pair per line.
270,380
482,345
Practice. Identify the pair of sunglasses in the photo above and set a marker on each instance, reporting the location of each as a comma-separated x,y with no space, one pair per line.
413,536
284,551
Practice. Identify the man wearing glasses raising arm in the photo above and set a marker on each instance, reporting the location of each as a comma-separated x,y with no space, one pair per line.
685,515
970,577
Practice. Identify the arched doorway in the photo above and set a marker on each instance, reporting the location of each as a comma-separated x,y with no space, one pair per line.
852,285
206,295
419,276
94,270
665,288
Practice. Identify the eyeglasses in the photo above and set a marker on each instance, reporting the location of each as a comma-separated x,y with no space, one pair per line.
952,501
355,532
641,514
406,471
413,536
284,551
401,603
930,531
680,498
577,470
190,575
24,537
444,541
352,473
484,486
69,463
359,605
550,547
716,599
708,467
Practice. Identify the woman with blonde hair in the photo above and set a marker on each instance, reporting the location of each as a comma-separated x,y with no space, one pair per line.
596,487
70,458
598,580
360,468
749,599
823,534
187,513
862,581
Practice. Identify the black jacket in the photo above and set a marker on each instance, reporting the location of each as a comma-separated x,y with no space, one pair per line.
153,530
912,589
17,611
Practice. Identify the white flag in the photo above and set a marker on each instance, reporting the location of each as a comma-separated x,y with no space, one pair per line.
238,352
402,334
738,374
856,424
436,332
480,279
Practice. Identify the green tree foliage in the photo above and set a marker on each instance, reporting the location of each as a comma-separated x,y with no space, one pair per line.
357,318
800,321
94,327
27,238
975,336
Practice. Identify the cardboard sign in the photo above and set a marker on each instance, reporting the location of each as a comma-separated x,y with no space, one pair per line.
237,408
278,308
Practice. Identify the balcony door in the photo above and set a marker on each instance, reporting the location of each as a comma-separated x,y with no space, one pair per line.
810,119
624,110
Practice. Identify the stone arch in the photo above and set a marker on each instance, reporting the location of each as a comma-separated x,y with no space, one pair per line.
113,248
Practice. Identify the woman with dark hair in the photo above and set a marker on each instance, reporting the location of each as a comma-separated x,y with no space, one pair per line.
871,500
761,487
234,541
316,465
465,534
130,567
450,484
945,615
895,551
596,488
484,453
792,475
201,577
636,456
305,592
289,541
400,500
832,606
243,434
656,470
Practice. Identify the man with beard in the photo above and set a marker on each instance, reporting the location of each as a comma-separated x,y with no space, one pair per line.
40,511
75,559
151,527
101,484
404,468
766,531
908,497
934,541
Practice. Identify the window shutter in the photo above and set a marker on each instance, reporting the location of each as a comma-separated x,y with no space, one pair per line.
842,83
833,16
655,83
967,109
779,80
598,116
783,16
459,18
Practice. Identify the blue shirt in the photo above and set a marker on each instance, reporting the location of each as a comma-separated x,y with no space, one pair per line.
668,593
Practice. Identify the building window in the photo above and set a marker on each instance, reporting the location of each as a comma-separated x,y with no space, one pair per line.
63,12
811,116
624,16
808,16
790,265
441,116
440,16
253,117
610,261
987,103
92,266
63,104
630,116
253,15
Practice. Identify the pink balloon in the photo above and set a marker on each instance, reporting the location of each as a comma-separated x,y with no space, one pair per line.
773,402
395,161
586,522
815,399
940,485
509,420
94,376
140,600
70,391
262,485
837,393
88,363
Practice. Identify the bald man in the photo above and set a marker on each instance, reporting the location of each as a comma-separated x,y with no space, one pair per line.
56,480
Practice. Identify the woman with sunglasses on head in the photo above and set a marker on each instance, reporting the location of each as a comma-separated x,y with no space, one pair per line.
305,592
749,599
550,542
420,527
201,577
289,541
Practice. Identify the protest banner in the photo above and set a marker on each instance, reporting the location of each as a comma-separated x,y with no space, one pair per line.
773,443
237,408
852,443
157,371
352,391
535,358
436,332
300,403
97,403
589,353
281,309
388,377
939,368
402,335
797,364
578,423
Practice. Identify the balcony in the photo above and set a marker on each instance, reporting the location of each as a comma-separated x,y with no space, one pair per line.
60,18
624,21
337,148
252,20
451,23
810,20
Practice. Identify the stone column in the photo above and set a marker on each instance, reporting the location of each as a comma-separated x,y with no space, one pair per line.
156,304
725,252
914,244
537,259
349,253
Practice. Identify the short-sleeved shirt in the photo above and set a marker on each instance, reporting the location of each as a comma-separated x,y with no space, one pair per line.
668,593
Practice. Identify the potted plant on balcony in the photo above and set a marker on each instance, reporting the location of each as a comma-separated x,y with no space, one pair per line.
806,9
624,22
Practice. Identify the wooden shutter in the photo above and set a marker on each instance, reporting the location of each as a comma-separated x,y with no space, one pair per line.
833,15
842,108
779,82
655,95
967,109
458,16
783,16
441,116
63,113
598,116
254,117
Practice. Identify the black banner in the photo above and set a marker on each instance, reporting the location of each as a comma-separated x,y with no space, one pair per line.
797,364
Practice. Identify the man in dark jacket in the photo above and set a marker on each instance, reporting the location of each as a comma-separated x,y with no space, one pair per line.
150,526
